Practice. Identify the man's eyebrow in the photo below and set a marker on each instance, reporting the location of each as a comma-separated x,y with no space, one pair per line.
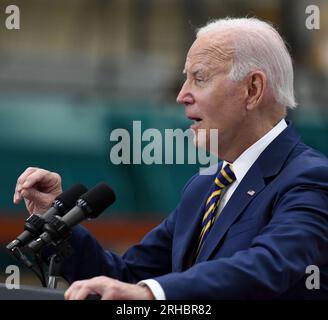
194,73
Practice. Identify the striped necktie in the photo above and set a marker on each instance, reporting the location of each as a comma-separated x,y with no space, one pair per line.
223,180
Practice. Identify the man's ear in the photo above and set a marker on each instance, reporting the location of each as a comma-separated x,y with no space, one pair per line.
256,85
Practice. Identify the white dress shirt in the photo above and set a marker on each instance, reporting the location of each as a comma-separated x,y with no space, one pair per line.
240,167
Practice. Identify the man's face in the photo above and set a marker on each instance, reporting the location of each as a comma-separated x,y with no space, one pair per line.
212,100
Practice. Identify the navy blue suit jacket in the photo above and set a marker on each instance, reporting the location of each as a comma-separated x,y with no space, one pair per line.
259,247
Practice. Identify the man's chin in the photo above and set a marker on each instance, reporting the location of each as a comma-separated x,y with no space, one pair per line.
206,140
200,140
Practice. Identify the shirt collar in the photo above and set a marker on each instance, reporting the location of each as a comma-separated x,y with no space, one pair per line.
244,162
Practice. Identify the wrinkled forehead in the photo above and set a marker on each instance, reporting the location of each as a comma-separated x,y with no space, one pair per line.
211,50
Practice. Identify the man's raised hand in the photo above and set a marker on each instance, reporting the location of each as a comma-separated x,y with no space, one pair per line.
38,188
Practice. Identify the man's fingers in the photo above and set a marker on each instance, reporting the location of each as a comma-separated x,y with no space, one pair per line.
108,289
74,287
83,293
40,175
31,177
21,179
80,290
20,182
30,194
17,198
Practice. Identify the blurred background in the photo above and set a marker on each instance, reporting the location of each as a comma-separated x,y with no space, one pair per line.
78,69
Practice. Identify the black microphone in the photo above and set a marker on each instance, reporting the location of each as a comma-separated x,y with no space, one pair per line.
34,223
88,206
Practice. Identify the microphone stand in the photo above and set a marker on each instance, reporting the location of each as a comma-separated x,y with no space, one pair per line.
56,261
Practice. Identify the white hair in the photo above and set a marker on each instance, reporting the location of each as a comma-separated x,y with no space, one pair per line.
258,46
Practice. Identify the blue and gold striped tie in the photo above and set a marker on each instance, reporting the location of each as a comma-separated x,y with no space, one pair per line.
223,180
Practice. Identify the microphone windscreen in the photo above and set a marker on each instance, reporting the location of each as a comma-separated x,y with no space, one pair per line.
69,197
98,199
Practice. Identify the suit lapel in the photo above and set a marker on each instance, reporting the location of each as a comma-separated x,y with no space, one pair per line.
240,199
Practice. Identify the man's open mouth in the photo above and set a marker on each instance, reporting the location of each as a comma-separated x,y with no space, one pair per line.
195,119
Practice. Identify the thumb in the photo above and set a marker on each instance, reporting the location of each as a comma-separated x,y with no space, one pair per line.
35,196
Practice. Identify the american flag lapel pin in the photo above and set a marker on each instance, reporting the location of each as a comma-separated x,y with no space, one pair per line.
251,193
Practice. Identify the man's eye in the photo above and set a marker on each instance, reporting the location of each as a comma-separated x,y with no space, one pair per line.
199,80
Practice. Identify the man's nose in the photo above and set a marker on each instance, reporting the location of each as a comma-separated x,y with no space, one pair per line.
185,96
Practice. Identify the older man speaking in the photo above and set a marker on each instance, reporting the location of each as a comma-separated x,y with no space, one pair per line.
248,231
